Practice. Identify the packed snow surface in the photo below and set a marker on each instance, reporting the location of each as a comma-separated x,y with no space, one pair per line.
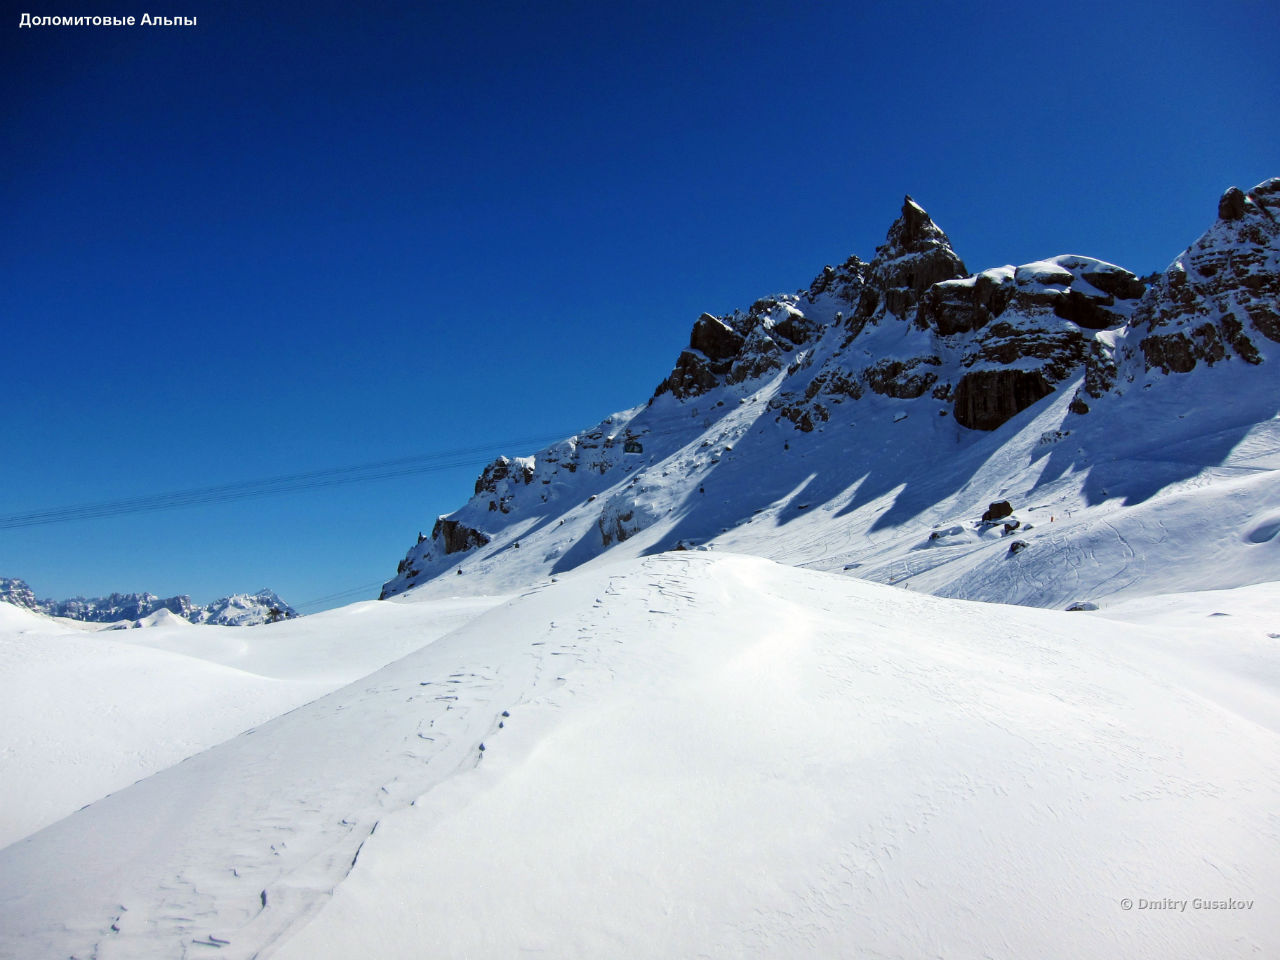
695,754
83,713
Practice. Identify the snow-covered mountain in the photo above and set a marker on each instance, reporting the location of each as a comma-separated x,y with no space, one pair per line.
586,723
868,423
125,610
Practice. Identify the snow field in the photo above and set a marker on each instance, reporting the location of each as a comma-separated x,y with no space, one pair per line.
695,754
796,765
85,712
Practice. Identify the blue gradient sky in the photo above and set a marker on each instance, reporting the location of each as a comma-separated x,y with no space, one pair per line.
304,235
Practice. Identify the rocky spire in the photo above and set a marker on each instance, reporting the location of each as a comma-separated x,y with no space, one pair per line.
916,254
914,233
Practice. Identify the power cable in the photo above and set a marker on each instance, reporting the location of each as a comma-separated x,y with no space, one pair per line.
272,486
352,592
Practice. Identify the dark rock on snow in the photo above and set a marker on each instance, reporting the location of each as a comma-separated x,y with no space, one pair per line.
997,511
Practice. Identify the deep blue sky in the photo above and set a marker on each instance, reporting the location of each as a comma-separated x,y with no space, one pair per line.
305,235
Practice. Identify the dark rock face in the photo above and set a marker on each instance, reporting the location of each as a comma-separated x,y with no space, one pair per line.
1265,320
1099,374
715,339
1120,284
951,308
692,375
916,254
998,510
1081,290
499,470
739,347
457,537
1062,350
1232,204
844,282
987,398
1083,311
1041,311
903,380
1221,294
615,528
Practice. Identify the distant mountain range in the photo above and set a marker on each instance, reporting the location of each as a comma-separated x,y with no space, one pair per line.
237,610
868,423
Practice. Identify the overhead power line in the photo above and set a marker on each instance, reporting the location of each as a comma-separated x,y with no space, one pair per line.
352,593
273,486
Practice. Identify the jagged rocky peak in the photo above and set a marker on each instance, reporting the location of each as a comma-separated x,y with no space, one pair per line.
742,346
244,610
914,234
1220,299
843,283
18,593
916,254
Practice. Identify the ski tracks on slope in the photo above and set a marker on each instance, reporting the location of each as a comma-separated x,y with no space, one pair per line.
259,830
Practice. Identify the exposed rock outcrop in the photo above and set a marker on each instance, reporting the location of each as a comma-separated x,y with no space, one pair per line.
987,398
997,510
1219,300
456,537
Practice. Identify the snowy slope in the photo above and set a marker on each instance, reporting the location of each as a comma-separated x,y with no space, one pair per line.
1132,432
85,713
695,754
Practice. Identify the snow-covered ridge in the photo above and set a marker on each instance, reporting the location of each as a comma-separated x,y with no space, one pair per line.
840,426
125,610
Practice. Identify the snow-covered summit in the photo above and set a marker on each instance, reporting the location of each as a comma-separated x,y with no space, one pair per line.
846,426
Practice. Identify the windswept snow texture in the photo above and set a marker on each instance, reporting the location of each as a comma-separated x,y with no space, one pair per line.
701,755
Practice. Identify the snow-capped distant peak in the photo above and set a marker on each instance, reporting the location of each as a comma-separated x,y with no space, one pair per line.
143,609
